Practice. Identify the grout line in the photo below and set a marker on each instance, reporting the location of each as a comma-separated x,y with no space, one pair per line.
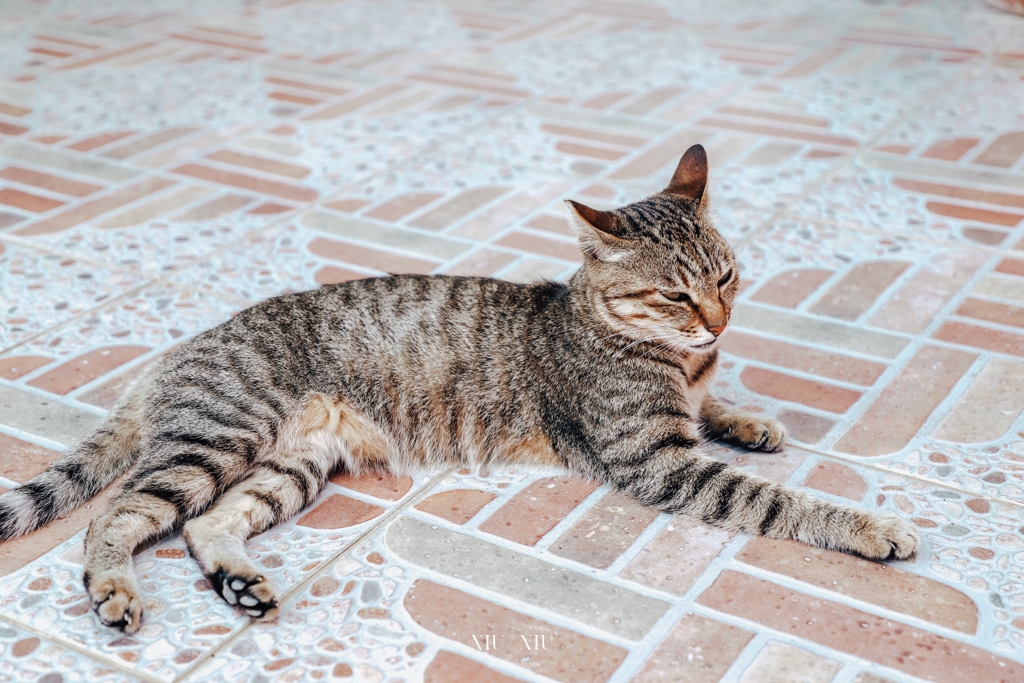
315,574
81,649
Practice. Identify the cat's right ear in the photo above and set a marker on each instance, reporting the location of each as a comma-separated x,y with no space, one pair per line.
691,176
595,229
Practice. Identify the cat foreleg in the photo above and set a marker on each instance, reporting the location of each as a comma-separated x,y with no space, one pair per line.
680,480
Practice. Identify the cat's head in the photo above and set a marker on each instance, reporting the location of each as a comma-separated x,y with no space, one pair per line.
658,269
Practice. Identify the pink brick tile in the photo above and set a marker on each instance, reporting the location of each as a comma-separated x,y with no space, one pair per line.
269,209
809,429
791,287
96,207
510,210
605,531
535,510
567,251
839,480
808,392
696,650
970,213
92,142
13,367
595,135
385,487
821,363
828,623
368,258
394,209
873,582
903,406
339,512
247,182
780,663
257,163
332,275
457,506
950,150
214,208
448,667
72,374
958,192
988,407
148,142
1004,151
49,182
677,556
454,209
28,201
914,305
981,338
484,262
23,460
854,293
458,616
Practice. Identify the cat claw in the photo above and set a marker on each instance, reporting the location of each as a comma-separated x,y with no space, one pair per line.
254,596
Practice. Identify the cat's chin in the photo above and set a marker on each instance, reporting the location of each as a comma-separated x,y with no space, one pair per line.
705,347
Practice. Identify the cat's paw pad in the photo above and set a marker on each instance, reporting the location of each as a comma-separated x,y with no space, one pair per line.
886,538
253,595
116,602
757,433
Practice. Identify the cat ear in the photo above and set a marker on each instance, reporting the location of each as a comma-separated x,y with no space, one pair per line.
691,176
594,229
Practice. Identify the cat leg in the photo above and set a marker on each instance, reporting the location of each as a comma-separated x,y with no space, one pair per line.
280,484
201,448
681,481
271,494
147,508
757,432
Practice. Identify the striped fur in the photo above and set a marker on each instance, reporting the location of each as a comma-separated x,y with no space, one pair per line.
606,377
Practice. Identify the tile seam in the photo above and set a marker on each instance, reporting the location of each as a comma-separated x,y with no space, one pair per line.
82,650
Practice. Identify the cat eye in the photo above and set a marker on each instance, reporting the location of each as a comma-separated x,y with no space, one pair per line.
725,278
681,297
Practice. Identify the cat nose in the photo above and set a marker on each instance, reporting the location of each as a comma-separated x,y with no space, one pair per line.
717,330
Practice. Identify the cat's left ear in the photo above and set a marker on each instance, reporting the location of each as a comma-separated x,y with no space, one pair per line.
691,176
596,232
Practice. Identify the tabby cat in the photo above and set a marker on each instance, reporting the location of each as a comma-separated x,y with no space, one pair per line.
606,377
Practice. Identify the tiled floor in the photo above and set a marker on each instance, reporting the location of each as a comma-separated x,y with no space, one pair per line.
165,164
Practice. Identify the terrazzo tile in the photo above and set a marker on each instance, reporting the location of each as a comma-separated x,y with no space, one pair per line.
27,657
41,290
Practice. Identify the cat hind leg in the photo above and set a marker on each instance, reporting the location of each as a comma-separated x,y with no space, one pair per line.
279,485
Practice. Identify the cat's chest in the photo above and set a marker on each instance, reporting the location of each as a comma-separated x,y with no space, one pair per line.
693,381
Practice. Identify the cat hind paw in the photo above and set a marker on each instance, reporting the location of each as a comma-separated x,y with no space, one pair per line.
253,595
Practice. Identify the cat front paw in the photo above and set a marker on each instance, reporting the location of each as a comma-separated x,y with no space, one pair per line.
756,433
884,537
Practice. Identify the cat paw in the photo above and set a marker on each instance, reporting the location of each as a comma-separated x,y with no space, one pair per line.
252,594
886,538
756,433
116,601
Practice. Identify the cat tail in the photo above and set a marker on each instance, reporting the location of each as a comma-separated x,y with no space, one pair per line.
76,476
